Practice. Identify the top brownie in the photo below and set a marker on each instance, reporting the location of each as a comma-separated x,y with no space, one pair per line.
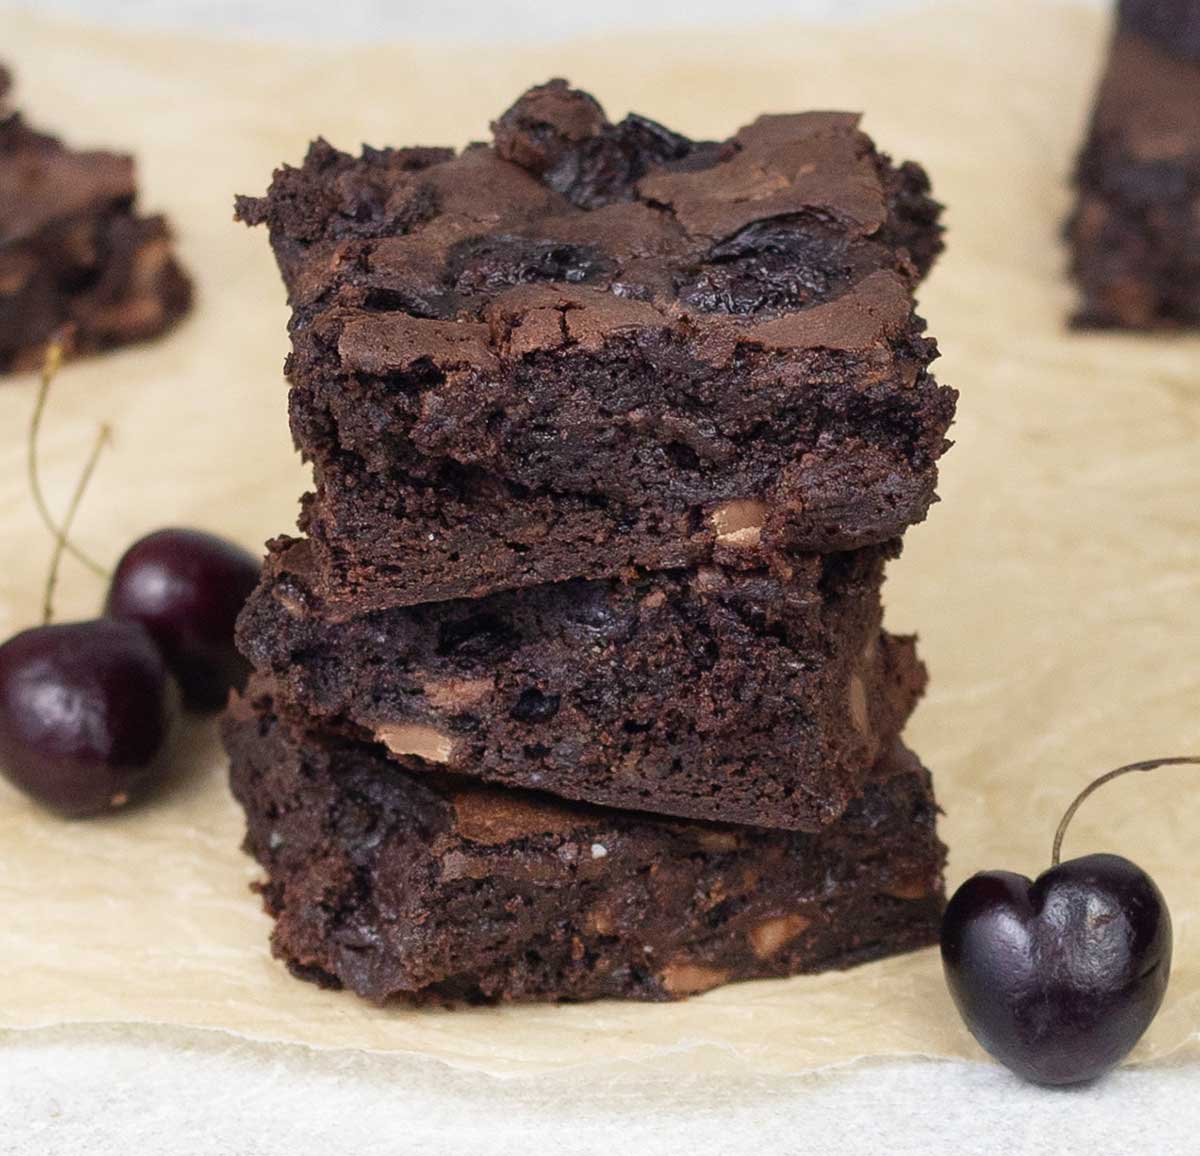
587,346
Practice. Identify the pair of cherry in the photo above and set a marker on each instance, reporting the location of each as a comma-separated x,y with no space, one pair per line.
88,709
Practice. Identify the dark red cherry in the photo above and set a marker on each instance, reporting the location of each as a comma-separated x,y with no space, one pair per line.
1058,978
187,588
86,714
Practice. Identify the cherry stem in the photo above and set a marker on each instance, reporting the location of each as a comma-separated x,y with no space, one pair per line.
50,367
61,542
1145,765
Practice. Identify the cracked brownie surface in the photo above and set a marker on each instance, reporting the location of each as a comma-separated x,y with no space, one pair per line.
434,889
590,345
726,695
75,257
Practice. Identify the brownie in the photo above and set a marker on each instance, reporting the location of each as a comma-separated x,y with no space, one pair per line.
587,346
1172,24
709,694
435,889
76,260
1135,233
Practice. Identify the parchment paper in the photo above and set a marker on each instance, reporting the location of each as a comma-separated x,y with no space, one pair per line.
1056,588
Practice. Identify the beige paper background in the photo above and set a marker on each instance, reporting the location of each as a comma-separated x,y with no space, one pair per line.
1056,589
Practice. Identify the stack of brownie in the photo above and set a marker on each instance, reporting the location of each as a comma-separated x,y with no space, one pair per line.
576,685
77,263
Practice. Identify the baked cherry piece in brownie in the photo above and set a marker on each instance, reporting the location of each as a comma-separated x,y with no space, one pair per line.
591,345
74,253
434,889
1135,233
724,695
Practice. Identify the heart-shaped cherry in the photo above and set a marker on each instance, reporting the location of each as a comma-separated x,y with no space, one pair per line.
1060,976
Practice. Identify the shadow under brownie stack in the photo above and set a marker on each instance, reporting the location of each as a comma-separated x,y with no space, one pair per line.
577,684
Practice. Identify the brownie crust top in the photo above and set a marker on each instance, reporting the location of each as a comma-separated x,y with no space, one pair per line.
569,228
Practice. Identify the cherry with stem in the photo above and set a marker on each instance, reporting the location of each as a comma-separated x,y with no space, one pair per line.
1060,976
186,587
86,708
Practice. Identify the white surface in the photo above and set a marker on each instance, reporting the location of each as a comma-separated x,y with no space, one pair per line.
80,1095
366,20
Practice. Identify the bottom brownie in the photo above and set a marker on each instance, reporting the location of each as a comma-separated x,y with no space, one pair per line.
436,889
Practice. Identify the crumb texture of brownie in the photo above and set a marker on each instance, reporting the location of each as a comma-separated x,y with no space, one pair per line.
1135,231
710,694
77,263
434,889
589,345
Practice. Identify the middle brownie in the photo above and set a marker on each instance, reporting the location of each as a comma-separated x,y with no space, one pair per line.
738,696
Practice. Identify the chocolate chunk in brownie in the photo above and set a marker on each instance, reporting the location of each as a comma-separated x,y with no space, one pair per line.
1135,231
724,695
588,346
435,889
76,261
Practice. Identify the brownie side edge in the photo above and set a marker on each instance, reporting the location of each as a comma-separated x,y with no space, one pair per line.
435,890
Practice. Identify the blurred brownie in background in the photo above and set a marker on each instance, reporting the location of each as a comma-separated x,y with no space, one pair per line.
1135,232
74,255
